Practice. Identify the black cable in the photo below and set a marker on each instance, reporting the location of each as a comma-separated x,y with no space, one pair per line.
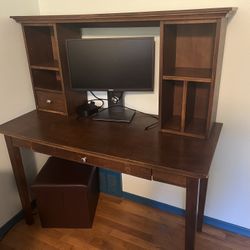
151,125
98,98
153,116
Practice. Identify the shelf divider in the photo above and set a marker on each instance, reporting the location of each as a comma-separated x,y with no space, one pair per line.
183,106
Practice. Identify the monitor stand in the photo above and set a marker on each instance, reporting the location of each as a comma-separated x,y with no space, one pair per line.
116,112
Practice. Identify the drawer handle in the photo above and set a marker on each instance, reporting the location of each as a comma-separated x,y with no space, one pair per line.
84,159
48,101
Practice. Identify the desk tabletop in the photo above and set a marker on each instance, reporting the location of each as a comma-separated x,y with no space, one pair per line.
181,155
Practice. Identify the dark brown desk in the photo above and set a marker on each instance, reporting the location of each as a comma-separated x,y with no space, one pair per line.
127,148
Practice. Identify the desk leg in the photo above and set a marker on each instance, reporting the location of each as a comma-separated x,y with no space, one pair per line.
202,199
191,212
22,186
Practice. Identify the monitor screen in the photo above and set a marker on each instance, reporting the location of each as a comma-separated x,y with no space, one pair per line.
111,63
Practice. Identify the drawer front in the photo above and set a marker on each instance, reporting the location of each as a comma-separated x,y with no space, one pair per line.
50,101
116,165
170,178
89,158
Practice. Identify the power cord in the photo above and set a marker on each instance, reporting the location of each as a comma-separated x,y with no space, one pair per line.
93,100
97,99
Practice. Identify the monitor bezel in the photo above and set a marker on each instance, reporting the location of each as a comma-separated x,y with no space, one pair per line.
151,88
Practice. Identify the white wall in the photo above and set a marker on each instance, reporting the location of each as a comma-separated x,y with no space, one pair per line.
15,94
229,186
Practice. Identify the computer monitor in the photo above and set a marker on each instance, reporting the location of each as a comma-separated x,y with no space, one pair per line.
114,65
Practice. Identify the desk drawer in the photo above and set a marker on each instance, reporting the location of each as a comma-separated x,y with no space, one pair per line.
51,101
91,159
170,178
121,166
109,163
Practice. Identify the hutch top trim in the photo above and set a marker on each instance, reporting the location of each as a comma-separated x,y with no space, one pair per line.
210,13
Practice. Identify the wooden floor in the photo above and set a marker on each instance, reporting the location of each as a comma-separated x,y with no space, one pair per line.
121,224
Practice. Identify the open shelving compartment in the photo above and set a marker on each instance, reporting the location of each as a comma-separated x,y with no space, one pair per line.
189,50
187,78
196,113
185,107
172,105
46,79
43,57
41,48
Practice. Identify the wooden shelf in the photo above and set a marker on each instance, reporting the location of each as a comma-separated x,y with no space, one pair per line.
189,74
55,87
48,90
53,66
177,132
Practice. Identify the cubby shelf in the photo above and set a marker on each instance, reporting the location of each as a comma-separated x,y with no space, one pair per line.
185,107
189,53
46,79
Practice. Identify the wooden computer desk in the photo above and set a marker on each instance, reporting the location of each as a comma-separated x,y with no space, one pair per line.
127,148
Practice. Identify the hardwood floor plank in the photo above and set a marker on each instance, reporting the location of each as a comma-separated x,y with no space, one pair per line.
121,225
21,241
125,229
143,244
